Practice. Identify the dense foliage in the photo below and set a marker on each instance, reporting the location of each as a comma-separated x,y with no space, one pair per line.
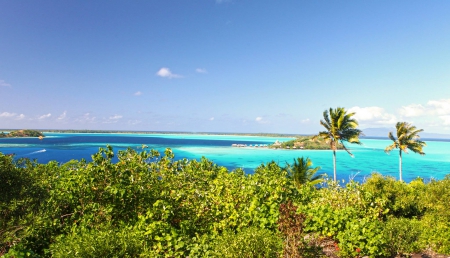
151,205
307,143
22,133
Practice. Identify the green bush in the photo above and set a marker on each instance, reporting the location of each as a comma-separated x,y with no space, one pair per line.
104,242
404,236
249,242
363,237
148,204
436,233
398,198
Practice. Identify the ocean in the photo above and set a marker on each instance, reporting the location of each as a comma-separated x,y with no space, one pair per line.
368,158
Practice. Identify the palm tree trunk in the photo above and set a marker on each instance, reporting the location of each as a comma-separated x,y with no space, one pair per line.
400,165
334,164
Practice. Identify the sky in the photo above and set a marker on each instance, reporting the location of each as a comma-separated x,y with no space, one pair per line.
223,65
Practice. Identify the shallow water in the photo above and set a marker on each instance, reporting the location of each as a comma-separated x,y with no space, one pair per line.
369,157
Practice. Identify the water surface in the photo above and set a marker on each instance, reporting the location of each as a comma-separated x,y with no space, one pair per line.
368,158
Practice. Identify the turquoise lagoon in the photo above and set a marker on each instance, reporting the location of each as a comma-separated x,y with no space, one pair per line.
368,158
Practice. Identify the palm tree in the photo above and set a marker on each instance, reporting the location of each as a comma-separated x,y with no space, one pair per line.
407,138
302,172
340,127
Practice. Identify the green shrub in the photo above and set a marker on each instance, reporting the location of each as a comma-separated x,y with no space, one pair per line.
404,236
363,237
436,233
104,242
19,251
398,198
250,242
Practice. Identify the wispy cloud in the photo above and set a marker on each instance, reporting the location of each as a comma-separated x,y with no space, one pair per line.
115,117
412,110
166,73
201,70
433,108
211,119
112,119
134,122
62,116
137,93
306,121
7,114
261,120
12,116
45,116
86,118
4,84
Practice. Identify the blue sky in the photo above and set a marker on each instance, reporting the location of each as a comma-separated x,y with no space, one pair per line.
223,66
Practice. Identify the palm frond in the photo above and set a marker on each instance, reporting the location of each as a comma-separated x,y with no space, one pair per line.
390,148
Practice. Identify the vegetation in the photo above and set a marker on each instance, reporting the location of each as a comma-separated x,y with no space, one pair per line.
21,133
407,138
302,173
340,127
306,143
151,205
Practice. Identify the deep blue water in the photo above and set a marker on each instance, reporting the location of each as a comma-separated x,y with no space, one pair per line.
370,157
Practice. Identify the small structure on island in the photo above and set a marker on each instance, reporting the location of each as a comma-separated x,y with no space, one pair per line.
276,144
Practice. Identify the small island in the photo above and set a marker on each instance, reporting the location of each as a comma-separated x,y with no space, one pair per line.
304,143
22,133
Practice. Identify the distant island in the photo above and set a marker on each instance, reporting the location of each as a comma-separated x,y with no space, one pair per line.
304,143
22,133
172,132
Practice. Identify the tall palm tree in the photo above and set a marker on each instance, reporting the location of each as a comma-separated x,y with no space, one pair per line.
340,127
407,138
302,172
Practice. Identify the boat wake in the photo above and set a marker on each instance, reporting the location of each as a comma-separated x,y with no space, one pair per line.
39,151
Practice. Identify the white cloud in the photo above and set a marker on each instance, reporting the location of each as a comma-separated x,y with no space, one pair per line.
62,116
261,120
134,122
370,116
211,119
7,114
412,110
305,121
86,118
12,115
115,117
166,73
434,108
137,93
45,116
112,119
439,107
446,120
4,84
201,70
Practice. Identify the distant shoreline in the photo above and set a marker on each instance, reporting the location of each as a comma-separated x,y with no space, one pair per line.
286,135
166,132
